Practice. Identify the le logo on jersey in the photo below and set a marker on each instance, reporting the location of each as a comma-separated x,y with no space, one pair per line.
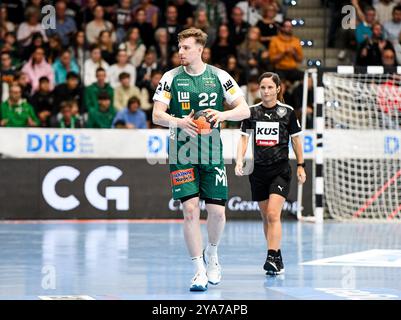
183,97
229,86
267,134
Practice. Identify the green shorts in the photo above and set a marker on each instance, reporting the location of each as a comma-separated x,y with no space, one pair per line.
209,181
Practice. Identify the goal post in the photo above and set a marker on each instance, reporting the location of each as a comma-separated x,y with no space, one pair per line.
357,160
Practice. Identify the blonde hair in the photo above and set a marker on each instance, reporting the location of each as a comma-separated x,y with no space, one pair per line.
199,36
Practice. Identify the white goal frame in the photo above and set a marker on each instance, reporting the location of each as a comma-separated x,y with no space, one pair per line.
318,201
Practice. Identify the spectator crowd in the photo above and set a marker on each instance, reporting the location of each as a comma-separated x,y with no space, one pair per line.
375,40
100,65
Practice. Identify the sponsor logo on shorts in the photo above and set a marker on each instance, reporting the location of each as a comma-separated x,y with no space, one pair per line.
182,176
221,176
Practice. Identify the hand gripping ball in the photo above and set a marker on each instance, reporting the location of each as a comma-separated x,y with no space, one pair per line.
202,120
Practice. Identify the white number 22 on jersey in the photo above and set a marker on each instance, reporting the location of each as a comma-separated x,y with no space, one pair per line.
205,97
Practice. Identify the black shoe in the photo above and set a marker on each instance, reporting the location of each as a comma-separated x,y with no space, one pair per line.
274,265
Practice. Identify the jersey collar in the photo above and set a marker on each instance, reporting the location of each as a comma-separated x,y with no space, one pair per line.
268,109
195,74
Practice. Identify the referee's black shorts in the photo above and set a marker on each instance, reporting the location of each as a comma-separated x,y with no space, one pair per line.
266,180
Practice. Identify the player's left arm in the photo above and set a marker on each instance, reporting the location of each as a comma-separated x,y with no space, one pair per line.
295,131
234,98
239,112
297,147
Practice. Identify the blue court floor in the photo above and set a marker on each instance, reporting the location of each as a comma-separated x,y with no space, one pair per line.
148,260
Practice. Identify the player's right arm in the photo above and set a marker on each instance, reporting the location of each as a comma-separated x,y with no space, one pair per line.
241,150
162,118
162,98
242,146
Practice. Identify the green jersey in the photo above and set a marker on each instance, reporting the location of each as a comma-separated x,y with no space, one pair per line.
100,119
91,95
184,92
17,115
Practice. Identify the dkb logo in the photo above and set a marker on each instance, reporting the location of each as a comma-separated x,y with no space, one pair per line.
51,143
118,193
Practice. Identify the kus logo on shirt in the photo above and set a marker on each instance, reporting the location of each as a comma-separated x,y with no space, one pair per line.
267,134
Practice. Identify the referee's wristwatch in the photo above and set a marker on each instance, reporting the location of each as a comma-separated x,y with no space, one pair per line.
301,164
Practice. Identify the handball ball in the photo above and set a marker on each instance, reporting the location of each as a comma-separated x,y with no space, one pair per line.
203,122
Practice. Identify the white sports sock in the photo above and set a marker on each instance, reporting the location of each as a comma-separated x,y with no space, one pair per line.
211,249
198,264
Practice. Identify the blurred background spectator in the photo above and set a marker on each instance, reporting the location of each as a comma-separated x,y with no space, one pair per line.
93,91
38,67
42,102
285,53
66,118
132,116
16,111
223,46
30,26
134,47
102,116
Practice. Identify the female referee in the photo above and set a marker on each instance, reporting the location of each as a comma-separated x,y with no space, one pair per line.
272,123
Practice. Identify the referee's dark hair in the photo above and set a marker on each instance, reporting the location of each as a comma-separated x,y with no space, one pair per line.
276,79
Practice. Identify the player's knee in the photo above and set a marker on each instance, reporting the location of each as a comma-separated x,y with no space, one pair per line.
272,216
219,215
191,217
191,213
263,212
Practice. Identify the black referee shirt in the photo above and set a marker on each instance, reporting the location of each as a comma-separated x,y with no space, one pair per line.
271,129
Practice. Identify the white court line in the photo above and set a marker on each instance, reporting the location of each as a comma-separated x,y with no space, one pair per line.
65,297
369,258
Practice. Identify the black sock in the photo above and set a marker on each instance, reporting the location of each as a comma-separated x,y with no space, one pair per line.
273,253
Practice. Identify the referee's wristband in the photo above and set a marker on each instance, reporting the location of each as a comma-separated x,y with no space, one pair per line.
301,164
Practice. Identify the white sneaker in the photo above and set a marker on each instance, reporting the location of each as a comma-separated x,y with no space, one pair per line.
199,282
213,268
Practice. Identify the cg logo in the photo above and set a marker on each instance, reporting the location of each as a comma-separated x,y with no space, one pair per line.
119,194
